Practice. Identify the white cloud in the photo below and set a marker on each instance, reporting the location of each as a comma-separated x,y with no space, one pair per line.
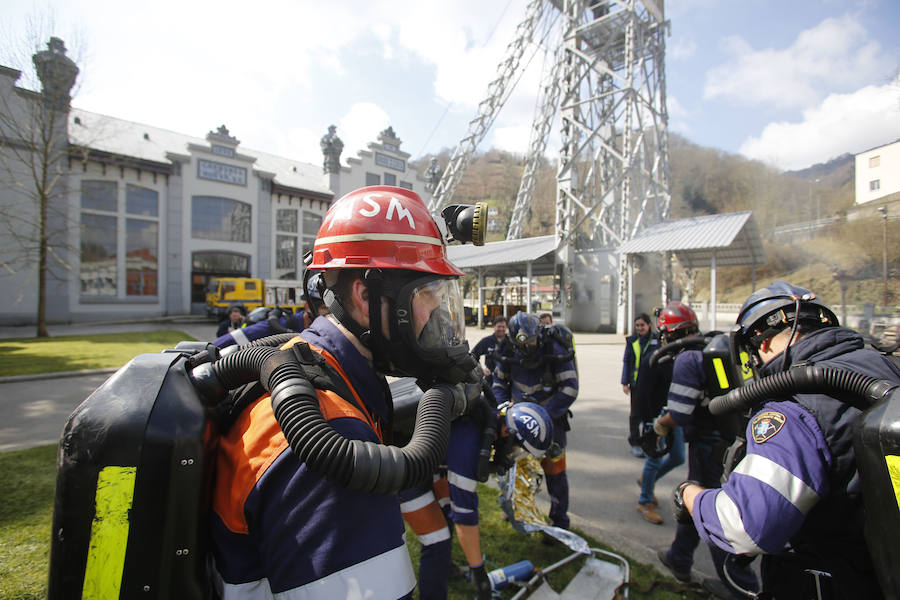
361,125
841,123
682,48
835,55
678,115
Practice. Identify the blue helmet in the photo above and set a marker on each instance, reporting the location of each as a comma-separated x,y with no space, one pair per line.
531,425
258,314
524,330
778,305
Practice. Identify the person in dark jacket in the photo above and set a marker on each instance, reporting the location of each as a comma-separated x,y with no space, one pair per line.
234,319
488,344
796,496
686,409
636,345
651,389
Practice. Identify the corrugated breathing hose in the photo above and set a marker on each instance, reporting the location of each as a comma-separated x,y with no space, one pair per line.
860,391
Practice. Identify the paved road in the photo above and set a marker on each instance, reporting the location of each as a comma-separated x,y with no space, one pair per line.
602,471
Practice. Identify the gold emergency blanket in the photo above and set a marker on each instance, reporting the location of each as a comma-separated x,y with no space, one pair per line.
517,500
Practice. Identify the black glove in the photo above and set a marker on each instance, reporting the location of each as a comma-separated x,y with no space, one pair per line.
680,511
481,582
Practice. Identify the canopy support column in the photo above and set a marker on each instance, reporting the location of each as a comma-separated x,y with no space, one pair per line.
481,298
712,293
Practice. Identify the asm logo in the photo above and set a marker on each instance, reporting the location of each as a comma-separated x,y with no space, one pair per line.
531,424
371,206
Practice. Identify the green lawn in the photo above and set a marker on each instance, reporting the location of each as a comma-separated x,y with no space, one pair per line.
29,356
26,505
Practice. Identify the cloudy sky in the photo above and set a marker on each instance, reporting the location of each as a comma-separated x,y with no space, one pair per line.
791,83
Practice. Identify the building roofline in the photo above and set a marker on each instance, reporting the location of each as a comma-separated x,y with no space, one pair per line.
877,147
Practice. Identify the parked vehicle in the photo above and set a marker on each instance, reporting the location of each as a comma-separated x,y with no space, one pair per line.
251,293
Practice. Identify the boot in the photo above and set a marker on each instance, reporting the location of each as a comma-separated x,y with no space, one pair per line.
649,512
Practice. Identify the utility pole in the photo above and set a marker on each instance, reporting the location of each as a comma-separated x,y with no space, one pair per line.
884,266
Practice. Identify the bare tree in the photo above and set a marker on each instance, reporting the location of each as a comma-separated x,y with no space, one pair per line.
34,158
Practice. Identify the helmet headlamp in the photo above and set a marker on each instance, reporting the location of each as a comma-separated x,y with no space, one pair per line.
466,223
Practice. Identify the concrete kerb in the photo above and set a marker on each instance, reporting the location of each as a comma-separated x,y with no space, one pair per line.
59,375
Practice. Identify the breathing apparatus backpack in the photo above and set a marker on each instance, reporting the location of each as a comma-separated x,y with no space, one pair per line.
136,461
710,345
876,442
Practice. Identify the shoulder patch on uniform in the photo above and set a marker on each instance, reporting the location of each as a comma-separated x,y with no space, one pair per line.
765,425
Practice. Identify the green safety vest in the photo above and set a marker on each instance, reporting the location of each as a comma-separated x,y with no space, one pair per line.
638,350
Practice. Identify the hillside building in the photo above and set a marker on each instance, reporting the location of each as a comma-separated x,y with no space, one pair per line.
877,180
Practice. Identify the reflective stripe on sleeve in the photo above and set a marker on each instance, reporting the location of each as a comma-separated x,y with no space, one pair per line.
733,526
462,482
239,337
569,391
780,479
459,509
563,375
681,407
683,390
387,576
527,389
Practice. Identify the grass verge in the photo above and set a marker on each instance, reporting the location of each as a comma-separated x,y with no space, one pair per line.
30,356
26,507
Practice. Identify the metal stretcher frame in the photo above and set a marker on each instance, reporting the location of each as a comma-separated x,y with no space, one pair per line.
540,574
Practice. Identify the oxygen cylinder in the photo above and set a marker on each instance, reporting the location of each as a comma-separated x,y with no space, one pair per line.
876,442
520,571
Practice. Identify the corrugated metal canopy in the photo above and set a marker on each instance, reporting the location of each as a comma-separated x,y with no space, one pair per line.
732,237
497,258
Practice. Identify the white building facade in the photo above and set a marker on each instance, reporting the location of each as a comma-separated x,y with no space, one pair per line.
878,173
159,214
142,218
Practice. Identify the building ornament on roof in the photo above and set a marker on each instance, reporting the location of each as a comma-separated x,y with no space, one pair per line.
389,139
433,175
332,146
57,73
222,136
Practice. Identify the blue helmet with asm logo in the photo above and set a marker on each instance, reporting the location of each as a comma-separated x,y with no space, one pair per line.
531,425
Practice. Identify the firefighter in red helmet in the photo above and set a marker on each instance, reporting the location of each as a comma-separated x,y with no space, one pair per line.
396,309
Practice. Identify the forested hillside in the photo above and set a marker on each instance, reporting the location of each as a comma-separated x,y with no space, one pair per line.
709,181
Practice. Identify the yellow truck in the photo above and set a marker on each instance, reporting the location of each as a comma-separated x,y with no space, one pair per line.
252,293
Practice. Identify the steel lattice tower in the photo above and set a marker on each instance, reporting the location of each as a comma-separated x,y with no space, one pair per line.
607,85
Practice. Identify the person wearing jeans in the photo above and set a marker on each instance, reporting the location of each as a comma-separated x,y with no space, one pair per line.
655,468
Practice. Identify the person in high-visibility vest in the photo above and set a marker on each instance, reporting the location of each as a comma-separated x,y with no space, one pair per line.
638,344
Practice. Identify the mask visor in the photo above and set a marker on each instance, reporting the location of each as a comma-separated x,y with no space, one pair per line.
438,317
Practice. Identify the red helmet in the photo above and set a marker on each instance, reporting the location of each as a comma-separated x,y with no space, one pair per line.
677,316
381,227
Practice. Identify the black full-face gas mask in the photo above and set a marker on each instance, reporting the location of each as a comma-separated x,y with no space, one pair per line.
425,325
